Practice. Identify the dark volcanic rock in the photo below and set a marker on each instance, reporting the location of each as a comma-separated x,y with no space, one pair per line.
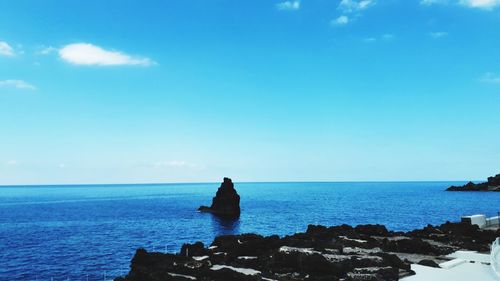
191,250
226,202
430,263
493,184
365,252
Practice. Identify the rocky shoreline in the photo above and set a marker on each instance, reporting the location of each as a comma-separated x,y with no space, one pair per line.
364,252
492,184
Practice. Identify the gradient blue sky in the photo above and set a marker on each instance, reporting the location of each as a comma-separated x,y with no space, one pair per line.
182,91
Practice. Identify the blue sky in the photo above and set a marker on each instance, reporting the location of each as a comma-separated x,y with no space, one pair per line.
182,91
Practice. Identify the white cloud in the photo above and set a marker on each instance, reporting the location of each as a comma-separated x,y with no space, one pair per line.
438,34
490,77
349,6
482,4
88,54
19,84
342,20
289,5
370,39
6,49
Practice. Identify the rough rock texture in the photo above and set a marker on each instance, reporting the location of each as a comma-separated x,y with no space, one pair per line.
365,252
226,202
493,184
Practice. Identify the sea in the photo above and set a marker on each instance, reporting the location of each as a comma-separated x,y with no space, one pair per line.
91,232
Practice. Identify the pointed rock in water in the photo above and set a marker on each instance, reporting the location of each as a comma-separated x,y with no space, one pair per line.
226,202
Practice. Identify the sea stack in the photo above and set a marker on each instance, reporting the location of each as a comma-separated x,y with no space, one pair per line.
226,202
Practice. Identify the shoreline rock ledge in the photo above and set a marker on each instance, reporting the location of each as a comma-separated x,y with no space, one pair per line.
493,184
226,202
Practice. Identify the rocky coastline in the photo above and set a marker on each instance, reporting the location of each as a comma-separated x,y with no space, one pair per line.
364,252
492,184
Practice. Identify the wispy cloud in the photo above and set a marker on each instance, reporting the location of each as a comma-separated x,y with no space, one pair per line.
288,5
349,6
341,20
383,37
479,4
350,9
47,50
18,84
490,77
388,36
6,49
11,163
432,2
438,34
89,54
175,164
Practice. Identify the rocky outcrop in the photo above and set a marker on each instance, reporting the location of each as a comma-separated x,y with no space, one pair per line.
226,202
493,184
365,252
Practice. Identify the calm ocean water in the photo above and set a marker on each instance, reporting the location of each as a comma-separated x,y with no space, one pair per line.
91,232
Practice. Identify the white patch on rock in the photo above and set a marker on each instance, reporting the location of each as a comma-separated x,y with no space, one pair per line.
309,251
181,275
246,271
360,251
355,240
200,258
247,258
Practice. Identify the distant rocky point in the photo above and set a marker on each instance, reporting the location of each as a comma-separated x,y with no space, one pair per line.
226,202
493,184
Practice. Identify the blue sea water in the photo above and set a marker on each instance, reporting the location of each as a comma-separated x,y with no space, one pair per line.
91,232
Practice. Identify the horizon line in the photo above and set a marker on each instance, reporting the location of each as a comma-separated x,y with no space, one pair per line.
236,182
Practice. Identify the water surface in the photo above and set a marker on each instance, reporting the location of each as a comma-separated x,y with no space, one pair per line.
80,232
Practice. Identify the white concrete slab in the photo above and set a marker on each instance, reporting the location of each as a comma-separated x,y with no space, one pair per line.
470,256
463,272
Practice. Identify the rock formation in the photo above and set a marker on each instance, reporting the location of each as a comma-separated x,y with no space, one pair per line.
367,252
226,202
493,184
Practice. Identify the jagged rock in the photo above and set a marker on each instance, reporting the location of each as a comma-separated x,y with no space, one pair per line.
226,202
493,184
191,250
368,252
372,229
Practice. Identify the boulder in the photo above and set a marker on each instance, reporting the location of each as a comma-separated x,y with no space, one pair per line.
226,202
429,263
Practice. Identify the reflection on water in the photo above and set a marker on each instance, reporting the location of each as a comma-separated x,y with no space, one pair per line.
224,226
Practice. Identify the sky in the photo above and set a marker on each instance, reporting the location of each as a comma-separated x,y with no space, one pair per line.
125,91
